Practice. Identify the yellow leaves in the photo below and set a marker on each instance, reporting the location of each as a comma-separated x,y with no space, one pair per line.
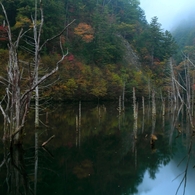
138,76
85,31
71,83
100,88
23,22
71,86
116,80
125,28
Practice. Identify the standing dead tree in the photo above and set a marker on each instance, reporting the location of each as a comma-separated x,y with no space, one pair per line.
135,114
184,85
36,50
15,103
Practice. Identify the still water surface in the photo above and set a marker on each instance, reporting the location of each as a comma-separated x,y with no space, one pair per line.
94,152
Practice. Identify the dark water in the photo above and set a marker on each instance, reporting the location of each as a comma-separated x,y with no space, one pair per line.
94,153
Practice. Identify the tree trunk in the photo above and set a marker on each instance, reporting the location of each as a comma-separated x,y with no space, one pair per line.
36,161
143,105
17,100
135,111
123,97
153,103
119,106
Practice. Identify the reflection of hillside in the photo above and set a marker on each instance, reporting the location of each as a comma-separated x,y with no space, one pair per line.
14,172
108,159
100,165
105,163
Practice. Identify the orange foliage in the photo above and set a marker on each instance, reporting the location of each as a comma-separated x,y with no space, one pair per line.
85,31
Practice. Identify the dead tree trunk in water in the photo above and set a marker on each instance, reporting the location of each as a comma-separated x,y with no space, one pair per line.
134,105
135,114
188,91
16,105
149,88
153,103
79,123
119,105
37,36
16,98
143,105
123,97
174,96
77,129
185,86
192,102
37,32
36,162
163,107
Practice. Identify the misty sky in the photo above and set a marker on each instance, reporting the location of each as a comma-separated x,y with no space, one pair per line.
169,12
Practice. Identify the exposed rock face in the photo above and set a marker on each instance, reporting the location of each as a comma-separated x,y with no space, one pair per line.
130,56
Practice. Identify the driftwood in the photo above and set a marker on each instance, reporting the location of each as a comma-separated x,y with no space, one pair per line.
46,142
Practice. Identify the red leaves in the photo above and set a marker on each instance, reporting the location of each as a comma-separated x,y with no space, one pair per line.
71,57
3,33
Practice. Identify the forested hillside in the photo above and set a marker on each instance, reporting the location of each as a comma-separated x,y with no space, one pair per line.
111,47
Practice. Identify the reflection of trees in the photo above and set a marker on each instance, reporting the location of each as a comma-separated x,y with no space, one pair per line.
184,162
17,181
181,136
20,170
104,163
114,169
184,178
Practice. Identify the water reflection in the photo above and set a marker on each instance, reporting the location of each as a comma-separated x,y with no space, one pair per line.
15,179
95,152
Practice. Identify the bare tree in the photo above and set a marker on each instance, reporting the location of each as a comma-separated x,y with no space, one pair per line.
37,48
15,103
186,85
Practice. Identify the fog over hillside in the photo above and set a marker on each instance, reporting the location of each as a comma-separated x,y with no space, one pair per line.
170,13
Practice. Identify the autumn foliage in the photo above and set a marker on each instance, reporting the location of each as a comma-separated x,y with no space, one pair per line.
85,31
110,45
3,33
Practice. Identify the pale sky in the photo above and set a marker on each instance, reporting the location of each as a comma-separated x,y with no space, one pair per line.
168,12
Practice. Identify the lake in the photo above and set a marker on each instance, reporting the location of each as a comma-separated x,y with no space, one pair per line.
94,152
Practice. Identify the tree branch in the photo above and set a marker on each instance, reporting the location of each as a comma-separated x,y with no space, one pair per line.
46,142
52,38
8,25
42,79
3,111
